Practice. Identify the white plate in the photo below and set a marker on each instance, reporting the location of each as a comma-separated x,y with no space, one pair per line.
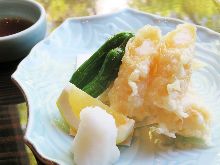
43,73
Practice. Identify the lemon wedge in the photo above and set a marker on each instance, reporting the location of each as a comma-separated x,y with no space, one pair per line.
72,100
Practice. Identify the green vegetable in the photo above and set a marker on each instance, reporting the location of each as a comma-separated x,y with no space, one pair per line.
189,141
107,73
90,68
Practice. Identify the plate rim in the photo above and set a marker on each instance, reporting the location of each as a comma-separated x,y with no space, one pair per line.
136,11
16,80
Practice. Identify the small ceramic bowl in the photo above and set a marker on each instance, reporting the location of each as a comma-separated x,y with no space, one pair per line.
18,45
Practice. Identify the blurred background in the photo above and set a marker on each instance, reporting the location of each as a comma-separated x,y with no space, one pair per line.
201,12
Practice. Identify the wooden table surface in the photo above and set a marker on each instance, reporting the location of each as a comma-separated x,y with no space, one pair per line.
12,147
12,150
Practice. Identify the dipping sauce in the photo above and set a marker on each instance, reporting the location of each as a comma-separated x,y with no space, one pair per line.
9,26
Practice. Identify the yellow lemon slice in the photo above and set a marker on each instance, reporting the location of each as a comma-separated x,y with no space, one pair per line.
72,100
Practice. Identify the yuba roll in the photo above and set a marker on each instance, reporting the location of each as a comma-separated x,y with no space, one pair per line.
95,141
154,81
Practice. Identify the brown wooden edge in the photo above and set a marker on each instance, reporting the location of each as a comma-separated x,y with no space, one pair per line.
27,142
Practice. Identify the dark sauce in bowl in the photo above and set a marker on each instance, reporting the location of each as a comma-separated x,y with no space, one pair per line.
9,26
